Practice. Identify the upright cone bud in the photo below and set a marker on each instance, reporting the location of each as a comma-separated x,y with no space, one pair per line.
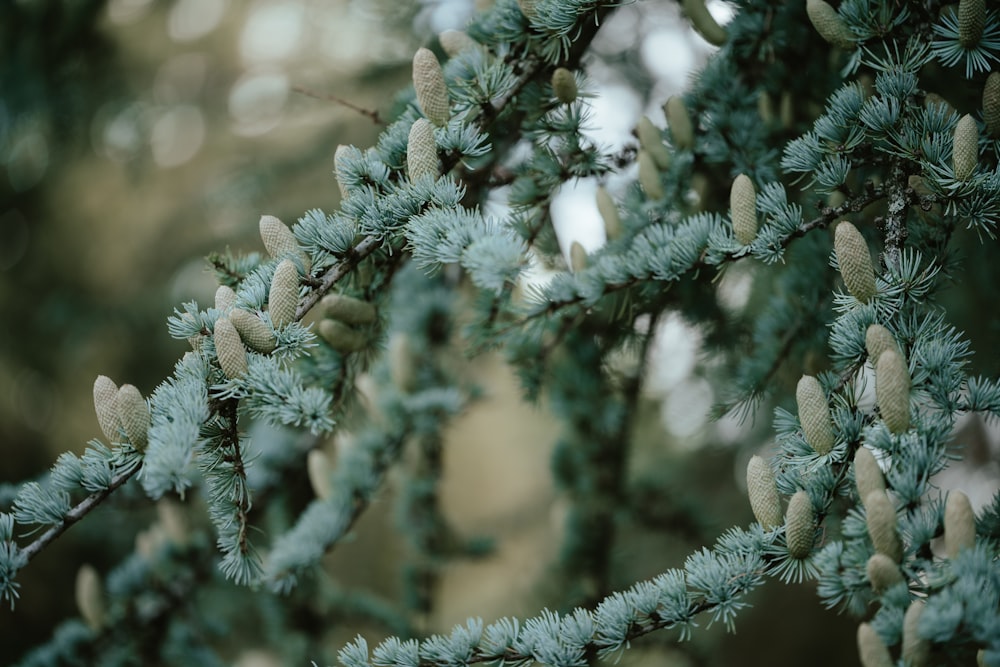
871,648
402,366
279,241
814,415
577,257
283,299
338,169
959,524
855,262
703,21
428,82
892,390
991,105
829,25
347,309
341,337
171,519
564,85
763,492
800,525
883,573
649,177
867,474
134,413
881,520
106,407
319,468
455,41
679,122
651,142
916,649
229,349
971,21
965,149
878,339
255,334
225,298
609,213
421,151
90,597
743,203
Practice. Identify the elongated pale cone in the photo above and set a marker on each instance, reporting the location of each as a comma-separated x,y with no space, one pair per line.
106,407
429,85
577,257
878,339
255,334
959,524
703,22
341,337
652,142
455,41
855,262
279,241
965,148
283,298
829,24
882,572
225,297
892,390
421,151
229,349
881,520
609,214
347,309
319,467
763,492
867,473
679,123
800,525
134,414
649,176
814,414
564,85
90,597
916,650
743,205
871,649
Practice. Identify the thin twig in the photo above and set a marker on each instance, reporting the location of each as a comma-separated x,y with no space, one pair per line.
368,113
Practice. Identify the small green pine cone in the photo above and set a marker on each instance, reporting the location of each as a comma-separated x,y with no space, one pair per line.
341,337
318,467
428,82
916,650
965,149
892,390
867,473
283,299
829,24
347,309
871,649
878,339
743,203
651,141
338,157
609,213
225,298
577,257
800,525
679,122
991,105
453,42
980,658
279,241
134,413
106,407
564,85
421,151
703,21
855,262
883,573
649,177
763,492
90,597
971,21
814,415
881,520
255,334
959,524
229,349
402,363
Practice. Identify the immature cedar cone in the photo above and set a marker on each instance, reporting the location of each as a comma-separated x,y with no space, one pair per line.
965,148
743,203
881,520
609,213
916,649
704,22
892,390
577,257
800,525
229,349
225,298
649,177
829,25
134,413
878,339
855,261
679,122
564,85
428,82
90,597
341,337
283,298
814,415
347,309
867,474
255,334
872,649
882,572
279,241
763,492
421,151
106,407
651,141
338,157
959,524
453,42
318,467
991,104
971,21
402,364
